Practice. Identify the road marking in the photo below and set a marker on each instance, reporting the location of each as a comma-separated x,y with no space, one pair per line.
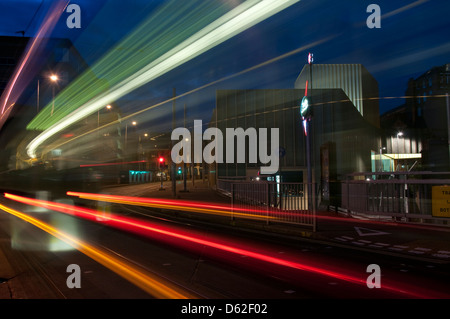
418,252
289,291
441,255
422,249
382,244
400,246
364,241
443,252
369,232
396,249
346,237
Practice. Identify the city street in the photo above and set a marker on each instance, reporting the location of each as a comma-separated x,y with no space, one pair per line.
325,264
224,158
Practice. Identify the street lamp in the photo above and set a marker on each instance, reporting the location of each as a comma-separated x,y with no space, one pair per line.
108,107
398,148
54,78
381,157
134,123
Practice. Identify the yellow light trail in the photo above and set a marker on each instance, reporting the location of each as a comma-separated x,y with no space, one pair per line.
175,205
148,282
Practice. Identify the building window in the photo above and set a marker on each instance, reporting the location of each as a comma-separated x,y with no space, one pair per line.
419,111
430,81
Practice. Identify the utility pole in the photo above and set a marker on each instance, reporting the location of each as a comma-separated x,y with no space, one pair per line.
173,173
306,113
448,123
185,157
37,102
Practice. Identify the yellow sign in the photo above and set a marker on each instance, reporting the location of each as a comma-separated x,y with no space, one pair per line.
441,201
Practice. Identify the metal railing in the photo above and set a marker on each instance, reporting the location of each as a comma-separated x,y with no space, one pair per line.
270,201
400,196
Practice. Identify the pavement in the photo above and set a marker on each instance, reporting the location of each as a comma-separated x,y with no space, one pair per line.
430,243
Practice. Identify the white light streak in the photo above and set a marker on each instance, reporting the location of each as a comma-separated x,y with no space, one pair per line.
232,23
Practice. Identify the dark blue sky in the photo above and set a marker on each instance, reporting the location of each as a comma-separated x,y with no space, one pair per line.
414,37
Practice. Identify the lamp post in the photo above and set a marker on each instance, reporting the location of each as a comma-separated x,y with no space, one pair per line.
185,157
54,78
108,107
398,149
37,101
134,123
381,157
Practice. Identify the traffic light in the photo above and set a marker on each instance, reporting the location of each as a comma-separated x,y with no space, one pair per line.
306,108
179,170
161,161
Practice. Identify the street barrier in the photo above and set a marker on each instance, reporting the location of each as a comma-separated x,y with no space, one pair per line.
399,196
277,202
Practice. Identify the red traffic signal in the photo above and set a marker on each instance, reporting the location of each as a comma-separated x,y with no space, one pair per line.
161,161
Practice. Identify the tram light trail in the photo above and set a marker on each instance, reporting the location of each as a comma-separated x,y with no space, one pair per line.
253,68
239,19
181,238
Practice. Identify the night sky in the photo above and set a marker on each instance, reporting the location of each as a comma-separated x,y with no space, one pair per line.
414,37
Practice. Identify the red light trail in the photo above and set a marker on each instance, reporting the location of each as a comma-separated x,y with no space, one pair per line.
177,237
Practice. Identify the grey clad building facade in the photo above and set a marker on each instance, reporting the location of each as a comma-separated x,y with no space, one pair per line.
354,79
343,140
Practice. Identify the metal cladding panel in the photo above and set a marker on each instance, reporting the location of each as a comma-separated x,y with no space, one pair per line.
351,78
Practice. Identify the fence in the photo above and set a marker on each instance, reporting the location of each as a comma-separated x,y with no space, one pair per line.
401,196
270,201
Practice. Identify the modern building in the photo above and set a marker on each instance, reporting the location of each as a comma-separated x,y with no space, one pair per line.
423,122
428,101
343,142
354,79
